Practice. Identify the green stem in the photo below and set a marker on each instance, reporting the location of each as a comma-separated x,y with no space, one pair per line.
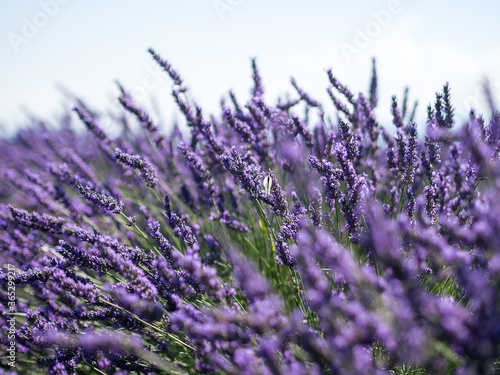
401,199
176,339
263,216
156,250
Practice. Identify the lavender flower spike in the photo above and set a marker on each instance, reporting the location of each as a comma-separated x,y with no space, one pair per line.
146,170
205,182
315,208
167,67
89,122
101,200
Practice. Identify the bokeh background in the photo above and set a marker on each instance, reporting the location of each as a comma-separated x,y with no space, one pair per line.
49,48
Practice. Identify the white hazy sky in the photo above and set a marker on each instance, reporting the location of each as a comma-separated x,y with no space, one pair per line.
87,45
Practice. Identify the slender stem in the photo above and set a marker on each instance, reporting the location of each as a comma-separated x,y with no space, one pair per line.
156,250
337,217
94,368
266,220
157,193
401,199
176,339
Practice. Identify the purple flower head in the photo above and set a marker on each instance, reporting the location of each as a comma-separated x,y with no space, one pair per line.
89,122
167,67
396,114
303,95
147,171
243,129
257,90
132,302
276,199
205,182
349,141
244,170
163,244
315,210
105,201
254,285
36,221
144,119
330,176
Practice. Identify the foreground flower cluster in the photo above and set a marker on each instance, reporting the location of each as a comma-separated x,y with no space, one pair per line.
297,238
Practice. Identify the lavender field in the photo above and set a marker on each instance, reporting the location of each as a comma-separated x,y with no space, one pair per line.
289,237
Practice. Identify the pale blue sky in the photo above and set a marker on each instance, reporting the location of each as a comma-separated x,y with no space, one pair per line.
86,45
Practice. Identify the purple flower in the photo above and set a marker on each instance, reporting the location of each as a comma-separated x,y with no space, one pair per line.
145,168
396,114
315,210
167,67
244,170
303,95
105,201
243,129
36,221
257,90
89,122
202,177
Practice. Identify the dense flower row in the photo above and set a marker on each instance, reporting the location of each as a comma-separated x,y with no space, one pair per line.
271,240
